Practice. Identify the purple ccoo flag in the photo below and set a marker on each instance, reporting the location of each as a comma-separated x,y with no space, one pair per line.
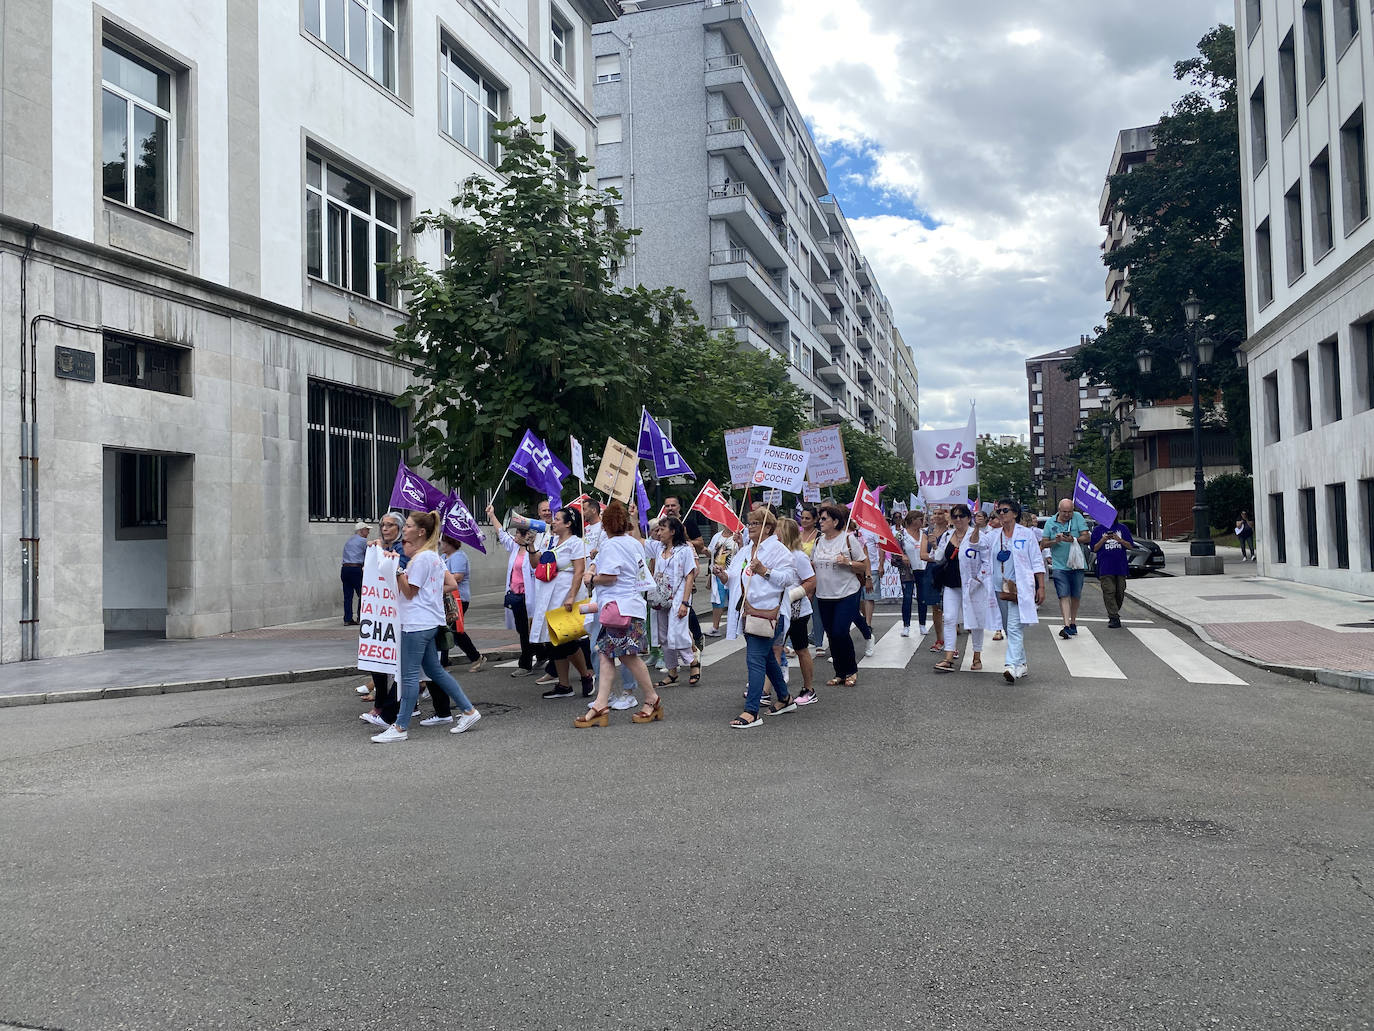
537,464
412,491
459,524
642,503
655,445
1091,500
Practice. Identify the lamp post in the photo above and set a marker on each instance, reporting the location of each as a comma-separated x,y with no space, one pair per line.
1202,551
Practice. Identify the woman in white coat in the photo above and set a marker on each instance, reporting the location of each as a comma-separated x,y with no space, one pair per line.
570,557
1015,557
964,578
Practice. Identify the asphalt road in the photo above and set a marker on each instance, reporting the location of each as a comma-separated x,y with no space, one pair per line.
920,851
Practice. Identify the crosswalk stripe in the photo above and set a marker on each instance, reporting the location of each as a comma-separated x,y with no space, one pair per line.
720,649
1085,656
893,651
1184,659
994,654
508,665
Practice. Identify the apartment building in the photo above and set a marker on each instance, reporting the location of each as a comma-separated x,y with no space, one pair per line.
907,395
1134,147
720,174
1058,407
1304,72
200,330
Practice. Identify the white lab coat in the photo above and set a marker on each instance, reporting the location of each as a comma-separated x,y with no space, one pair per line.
974,577
516,554
1029,559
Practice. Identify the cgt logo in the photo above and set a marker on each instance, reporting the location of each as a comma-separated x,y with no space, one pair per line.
672,461
541,457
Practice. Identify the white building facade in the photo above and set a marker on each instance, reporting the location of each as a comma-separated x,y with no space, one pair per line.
1306,89
718,170
197,396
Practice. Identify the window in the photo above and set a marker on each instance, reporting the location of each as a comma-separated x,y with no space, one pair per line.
1313,46
353,447
1340,524
1252,18
1330,356
136,117
141,491
608,129
1264,265
1288,84
1259,144
147,364
1278,535
1273,432
1323,233
470,103
608,68
565,155
350,226
1354,172
1362,346
1367,493
1307,504
561,48
1292,210
1347,25
613,182
362,32
1302,394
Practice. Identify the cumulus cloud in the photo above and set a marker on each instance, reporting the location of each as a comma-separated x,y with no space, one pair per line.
993,124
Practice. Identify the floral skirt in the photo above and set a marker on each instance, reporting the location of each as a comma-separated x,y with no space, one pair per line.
618,642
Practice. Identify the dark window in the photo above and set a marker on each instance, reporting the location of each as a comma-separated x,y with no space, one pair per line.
1264,265
1354,172
1252,18
1330,356
131,362
141,487
1313,46
353,447
1292,225
1323,235
1302,394
1347,24
1288,84
1340,525
1279,532
1273,429
1259,145
1307,501
1364,349
1367,493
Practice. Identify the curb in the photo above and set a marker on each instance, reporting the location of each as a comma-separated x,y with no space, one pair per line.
1362,683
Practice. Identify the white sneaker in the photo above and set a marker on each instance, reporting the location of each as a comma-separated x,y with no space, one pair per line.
713,632
1021,672
821,653
868,652
415,713
624,700
389,735
925,629
906,631
434,721
465,721
374,719
789,651
363,689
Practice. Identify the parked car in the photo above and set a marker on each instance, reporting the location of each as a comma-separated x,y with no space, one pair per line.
1145,556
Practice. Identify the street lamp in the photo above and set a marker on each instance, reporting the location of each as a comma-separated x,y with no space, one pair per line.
1200,350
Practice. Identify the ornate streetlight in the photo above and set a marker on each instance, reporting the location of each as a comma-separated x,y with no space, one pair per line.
1202,551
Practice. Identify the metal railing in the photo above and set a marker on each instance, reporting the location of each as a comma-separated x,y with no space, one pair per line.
736,255
725,191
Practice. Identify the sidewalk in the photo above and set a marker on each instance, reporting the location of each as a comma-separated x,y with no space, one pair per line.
1313,633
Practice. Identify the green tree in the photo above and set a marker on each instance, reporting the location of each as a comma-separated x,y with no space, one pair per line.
522,326
1089,453
869,457
1184,208
1228,495
1004,471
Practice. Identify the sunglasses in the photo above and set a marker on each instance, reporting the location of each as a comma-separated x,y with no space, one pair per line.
1003,511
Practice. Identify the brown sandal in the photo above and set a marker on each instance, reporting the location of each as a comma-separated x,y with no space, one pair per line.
851,680
656,713
593,718
835,682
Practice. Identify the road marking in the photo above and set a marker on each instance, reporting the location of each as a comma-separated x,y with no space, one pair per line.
508,665
1184,659
1103,619
893,651
721,649
994,654
1085,656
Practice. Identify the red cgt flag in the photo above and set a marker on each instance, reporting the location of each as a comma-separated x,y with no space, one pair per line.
866,513
716,507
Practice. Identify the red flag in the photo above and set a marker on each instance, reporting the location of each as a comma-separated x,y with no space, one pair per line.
716,506
577,501
869,516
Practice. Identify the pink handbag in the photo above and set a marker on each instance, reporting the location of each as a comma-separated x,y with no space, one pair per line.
612,617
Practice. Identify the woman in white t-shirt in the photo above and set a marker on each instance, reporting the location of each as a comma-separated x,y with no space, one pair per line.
622,577
420,608
759,578
719,552
570,557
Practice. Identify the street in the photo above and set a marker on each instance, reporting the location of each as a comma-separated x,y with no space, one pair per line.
1084,849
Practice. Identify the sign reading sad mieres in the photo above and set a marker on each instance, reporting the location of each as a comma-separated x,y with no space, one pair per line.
782,468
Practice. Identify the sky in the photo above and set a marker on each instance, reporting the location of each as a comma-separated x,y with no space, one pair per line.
967,143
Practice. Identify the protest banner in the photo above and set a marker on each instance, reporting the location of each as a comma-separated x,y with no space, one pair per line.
772,497
891,584
742,450
945,458
1092,501
378,631
616,477
811,493
459,524
782,468
828,466
865,513
655,446
412,491
711,503
579,469
954,496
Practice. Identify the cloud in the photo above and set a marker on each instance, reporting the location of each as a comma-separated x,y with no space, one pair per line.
969,152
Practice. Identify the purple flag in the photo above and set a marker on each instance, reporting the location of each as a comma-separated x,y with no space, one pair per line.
642,502
654,445
414,492
537,464
459,524
1091,500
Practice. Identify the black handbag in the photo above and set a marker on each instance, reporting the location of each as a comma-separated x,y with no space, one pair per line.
512,598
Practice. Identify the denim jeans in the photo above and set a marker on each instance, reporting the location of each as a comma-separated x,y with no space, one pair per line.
1016,641
760,660
908,589
838,615
417,652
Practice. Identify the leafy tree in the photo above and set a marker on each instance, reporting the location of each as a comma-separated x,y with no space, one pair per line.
1090,455
1004,471
1184,208
522,327
1229,494
869,457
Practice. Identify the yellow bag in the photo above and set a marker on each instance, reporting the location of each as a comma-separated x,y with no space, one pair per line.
565,626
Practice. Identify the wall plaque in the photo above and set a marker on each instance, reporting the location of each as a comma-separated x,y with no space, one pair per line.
71,363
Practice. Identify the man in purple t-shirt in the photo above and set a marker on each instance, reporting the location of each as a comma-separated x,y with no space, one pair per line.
1109,544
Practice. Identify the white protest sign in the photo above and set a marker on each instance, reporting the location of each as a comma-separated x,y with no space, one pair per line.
772,497
378,630
826,448
811,493
742,449
782,468
953,496
579,470
943,459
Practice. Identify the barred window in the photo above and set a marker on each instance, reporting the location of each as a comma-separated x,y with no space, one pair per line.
148,364
354,445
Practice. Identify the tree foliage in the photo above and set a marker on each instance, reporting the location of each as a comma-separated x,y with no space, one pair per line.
1004,471
1228,495
1090,455
869,457
1184,208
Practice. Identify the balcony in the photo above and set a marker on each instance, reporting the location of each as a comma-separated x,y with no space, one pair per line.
832,374
831,254
866,403
731,137
863,339
756,285
863,274
831,211
830,292
834,411
830,332
751,223
728,76
861,305
864,373
750,330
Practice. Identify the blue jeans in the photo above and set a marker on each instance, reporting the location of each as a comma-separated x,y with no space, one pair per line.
417,652
760,660
1068,583
1016,639
908,589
